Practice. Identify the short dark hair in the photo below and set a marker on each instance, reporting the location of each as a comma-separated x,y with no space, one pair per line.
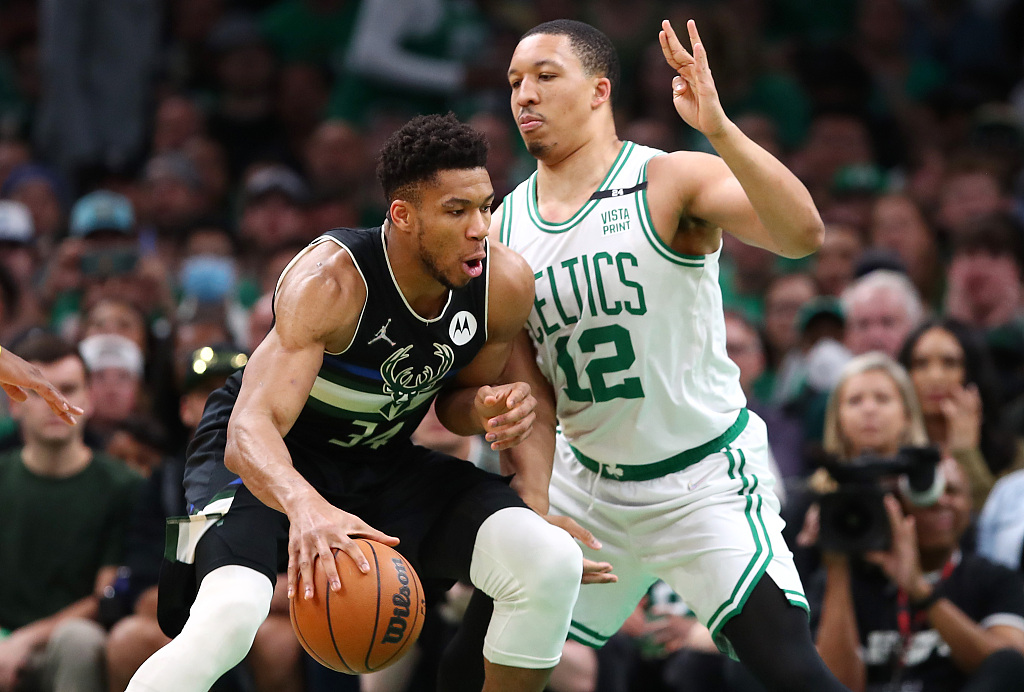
423,147
996,234
39,346
591,46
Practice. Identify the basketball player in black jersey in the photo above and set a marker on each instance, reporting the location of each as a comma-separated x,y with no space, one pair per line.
370,325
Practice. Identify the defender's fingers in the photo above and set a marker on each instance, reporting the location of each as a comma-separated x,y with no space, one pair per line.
513,416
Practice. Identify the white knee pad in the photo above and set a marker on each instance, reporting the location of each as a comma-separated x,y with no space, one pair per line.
232,603
532,571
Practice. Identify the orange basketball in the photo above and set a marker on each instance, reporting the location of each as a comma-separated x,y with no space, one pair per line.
371,622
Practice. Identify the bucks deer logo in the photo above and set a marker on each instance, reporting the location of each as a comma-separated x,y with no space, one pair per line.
405,385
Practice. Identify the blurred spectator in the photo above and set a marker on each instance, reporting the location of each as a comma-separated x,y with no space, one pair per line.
115,366
188,63
102,254
177,120
782,301
852,194
65,510
21,260
336,161
244,118
261,319
984,273
898,224
311,31
835,139
1001,523
113,314
417,56
972,187
172,198
273,210
98,59
835,260
140,442
955,383
13,153
922,615
208,275
302,93
747,272
210,162
881,309
46,196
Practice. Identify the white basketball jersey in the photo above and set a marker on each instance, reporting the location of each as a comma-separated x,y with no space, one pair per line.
629,332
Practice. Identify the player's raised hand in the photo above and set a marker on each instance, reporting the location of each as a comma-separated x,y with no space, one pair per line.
693,90
18,377
316,529
506,412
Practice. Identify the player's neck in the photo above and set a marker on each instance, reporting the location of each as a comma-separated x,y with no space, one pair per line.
424,294
577,172
58,460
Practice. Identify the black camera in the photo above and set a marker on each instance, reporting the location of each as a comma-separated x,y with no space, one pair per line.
853,518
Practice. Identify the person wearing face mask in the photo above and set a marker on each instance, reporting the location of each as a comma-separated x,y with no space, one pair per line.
208,277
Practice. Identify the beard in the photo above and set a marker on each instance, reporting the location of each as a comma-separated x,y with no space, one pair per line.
537,150
432,263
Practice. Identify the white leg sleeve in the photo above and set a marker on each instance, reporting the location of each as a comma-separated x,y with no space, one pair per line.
232,603
532,571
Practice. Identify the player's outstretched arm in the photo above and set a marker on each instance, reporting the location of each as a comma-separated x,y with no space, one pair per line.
317,307
747,192
482,399
18,377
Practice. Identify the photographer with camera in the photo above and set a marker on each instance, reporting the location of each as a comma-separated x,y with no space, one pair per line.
902,609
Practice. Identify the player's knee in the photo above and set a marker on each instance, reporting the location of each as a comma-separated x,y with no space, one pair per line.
519,556
233,602
240,616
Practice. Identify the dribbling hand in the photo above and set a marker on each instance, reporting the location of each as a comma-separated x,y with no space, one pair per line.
593,572
693,90
315,531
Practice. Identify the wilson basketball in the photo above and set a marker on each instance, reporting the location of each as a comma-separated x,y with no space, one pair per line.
371,622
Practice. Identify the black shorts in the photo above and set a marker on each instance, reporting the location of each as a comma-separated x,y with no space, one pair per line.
433,503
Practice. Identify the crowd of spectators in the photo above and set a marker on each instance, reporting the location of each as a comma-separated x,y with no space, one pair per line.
161,162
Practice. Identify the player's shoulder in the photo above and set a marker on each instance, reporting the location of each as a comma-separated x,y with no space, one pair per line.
509,271
671,165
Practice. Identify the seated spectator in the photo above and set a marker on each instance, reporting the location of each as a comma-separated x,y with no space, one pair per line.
955,381
64,509
116,390
983,279
20,258
922,615
836,258
1001,523
881,307
898,224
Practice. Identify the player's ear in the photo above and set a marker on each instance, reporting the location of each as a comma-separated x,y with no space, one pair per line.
401,213
602,92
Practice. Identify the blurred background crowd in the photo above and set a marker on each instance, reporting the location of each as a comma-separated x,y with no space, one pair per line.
161,162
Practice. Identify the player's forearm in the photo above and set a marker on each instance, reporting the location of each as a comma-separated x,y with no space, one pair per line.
257,453
530,464
782,202
456,411
838,640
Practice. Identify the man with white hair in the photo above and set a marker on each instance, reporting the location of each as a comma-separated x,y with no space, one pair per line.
881,307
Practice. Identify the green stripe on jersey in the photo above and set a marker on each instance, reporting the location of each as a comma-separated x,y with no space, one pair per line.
588,206
647,224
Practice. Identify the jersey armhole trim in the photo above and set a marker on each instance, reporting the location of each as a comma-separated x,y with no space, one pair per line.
660,246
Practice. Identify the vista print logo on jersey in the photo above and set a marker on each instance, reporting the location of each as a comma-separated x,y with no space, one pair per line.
462,328
404,385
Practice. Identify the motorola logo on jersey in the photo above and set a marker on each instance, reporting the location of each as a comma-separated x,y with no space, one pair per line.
462,328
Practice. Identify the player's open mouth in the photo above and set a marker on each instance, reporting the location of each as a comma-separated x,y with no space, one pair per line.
473,267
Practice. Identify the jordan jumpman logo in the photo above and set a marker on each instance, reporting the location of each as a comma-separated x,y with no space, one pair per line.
382,334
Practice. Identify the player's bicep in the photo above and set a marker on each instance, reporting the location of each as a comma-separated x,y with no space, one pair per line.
277,380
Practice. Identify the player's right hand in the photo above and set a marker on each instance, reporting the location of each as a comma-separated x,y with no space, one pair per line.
317,528
593,572
507,413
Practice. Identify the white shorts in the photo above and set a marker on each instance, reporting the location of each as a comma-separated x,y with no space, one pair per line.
709,531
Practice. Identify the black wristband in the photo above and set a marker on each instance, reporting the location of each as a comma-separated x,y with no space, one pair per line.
927,602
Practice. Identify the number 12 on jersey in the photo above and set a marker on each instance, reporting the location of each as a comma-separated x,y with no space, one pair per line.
597,368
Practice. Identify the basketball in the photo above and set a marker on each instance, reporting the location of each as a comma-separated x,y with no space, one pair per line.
371,622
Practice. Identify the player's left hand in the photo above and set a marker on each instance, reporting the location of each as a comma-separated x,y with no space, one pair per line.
506,412
593,572
693,90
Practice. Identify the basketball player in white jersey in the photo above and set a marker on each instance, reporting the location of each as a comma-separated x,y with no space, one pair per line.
655,453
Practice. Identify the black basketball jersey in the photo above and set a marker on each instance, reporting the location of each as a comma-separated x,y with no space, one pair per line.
373,394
